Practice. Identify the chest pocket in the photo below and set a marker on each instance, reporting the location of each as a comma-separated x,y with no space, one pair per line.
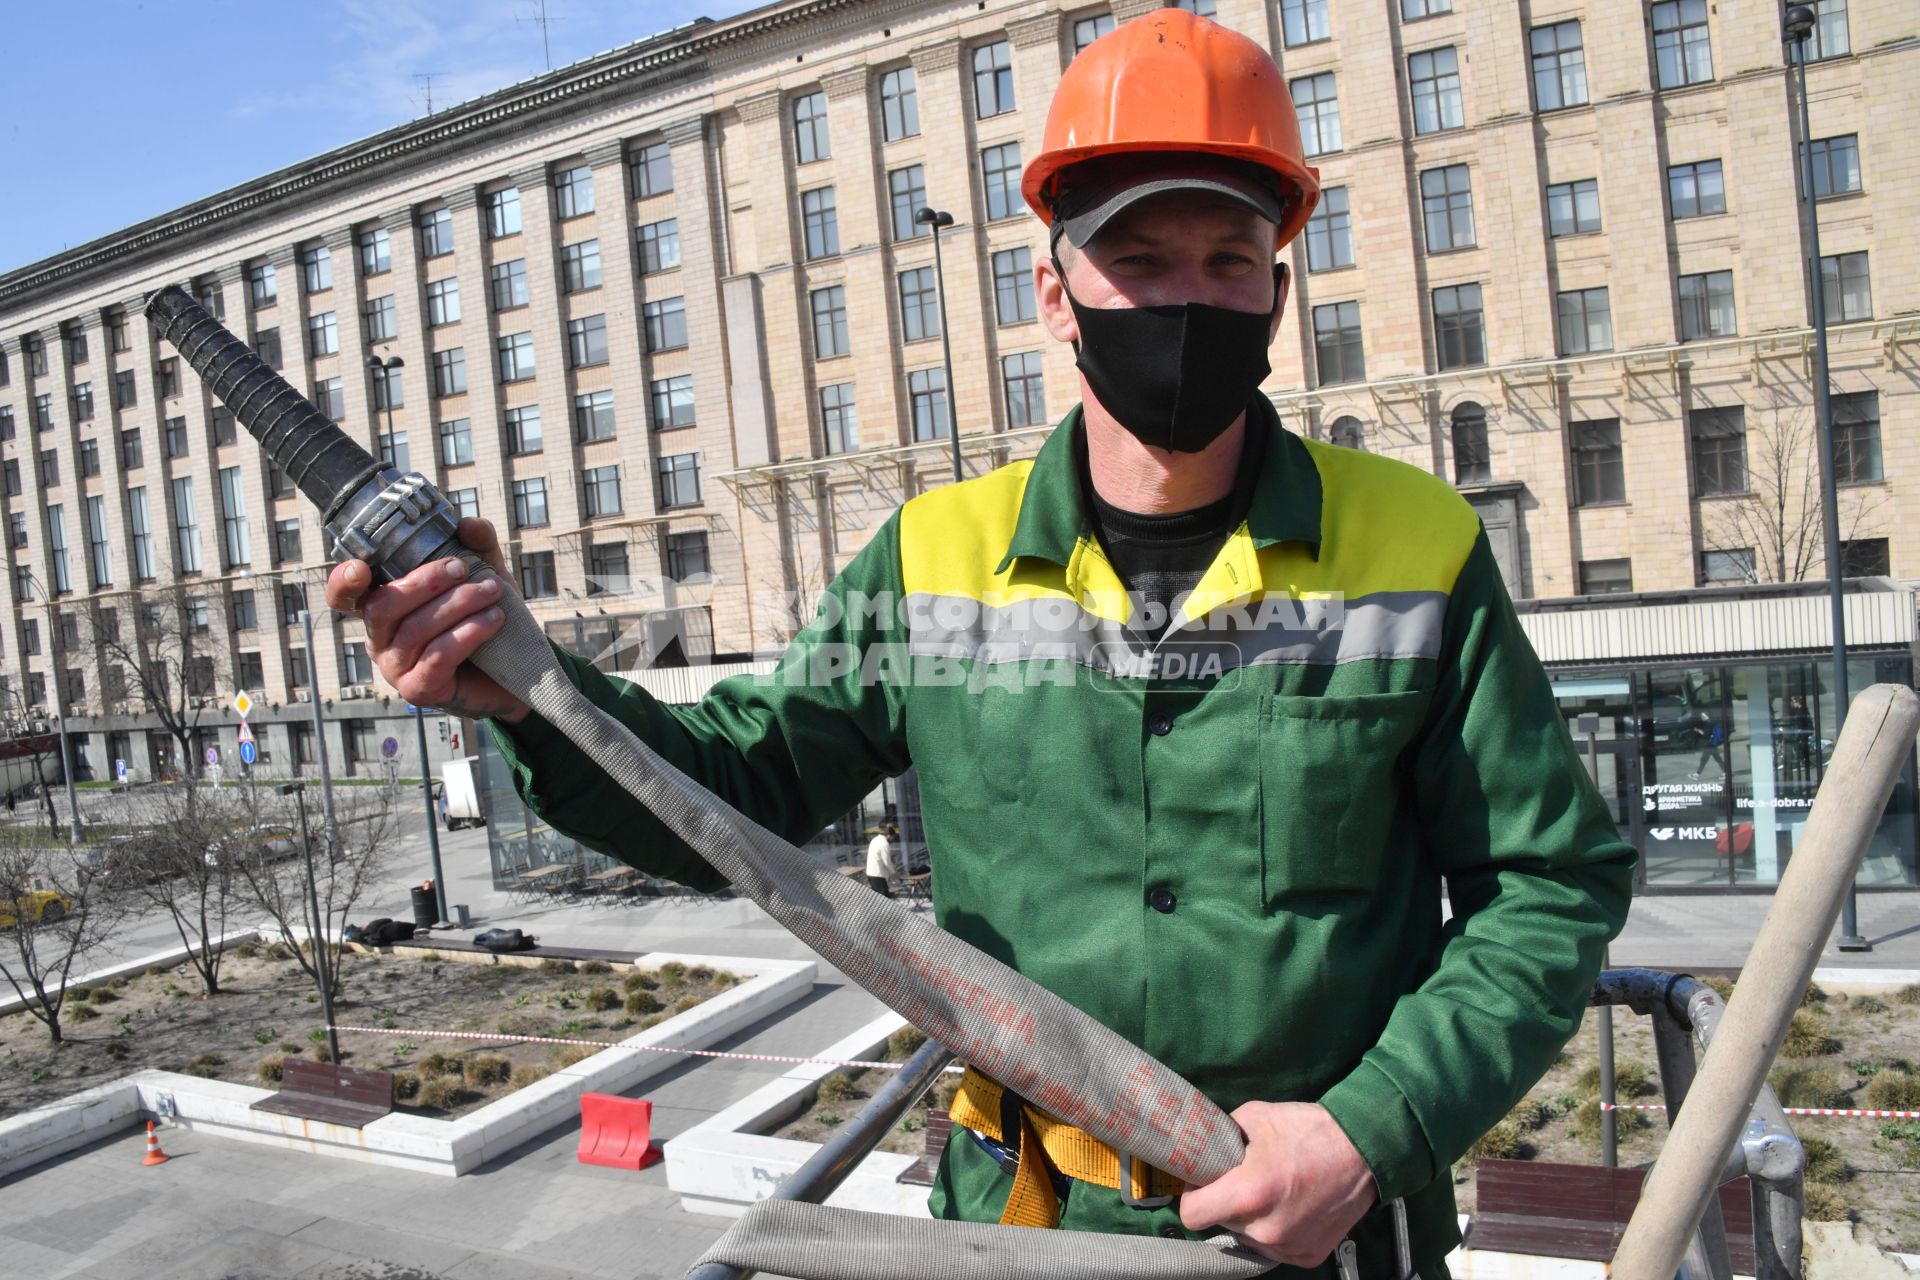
1330,783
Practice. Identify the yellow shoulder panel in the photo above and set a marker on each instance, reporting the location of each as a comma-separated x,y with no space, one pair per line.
952,537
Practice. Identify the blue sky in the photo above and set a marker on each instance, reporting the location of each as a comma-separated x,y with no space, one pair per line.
89,138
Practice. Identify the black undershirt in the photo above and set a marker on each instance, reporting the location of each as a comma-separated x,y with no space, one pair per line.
1162,557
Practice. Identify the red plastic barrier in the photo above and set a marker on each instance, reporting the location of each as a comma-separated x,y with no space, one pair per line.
614,1131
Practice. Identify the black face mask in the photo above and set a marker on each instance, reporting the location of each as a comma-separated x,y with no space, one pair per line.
1175,376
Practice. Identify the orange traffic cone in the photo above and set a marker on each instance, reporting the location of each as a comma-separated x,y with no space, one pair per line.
154,1154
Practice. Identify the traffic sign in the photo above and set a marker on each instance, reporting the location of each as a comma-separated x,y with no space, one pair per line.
411,709
242,704
246,733
390,748
247,751
119,769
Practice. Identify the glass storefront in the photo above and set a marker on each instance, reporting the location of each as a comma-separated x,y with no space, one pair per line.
1711,769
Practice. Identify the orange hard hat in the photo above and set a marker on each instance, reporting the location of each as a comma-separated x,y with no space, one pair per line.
1170,82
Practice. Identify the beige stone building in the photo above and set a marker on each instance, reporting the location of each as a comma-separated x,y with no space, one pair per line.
666,318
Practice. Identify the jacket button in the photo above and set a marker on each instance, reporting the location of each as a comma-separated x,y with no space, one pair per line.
1172,1232
1160,723
1162,900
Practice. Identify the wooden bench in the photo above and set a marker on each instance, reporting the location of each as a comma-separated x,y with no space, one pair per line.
1579,1211
921,1172
338,1095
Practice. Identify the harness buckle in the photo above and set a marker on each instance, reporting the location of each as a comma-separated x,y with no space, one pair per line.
1126,1186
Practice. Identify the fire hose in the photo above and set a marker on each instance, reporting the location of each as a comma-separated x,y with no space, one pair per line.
1021,1034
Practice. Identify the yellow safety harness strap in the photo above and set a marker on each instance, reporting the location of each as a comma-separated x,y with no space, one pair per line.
1047,1143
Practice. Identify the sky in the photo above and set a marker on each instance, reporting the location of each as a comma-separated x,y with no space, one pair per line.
114,111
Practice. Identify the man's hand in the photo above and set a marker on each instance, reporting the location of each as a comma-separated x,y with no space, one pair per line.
1297,1193
422,628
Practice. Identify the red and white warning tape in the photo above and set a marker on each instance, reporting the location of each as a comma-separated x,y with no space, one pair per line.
1792,1111
615,1044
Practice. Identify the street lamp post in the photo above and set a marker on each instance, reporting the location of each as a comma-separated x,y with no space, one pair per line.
1796,30
322,967
60,709
937,219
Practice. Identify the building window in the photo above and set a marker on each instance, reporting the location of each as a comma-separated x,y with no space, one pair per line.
82,401
1734,564
286,540
593,416
443,301
516,357
1199,8
383,321
90,456
1706,306
1435,77
223,428
1573,208
389,390
607,571
1472,456
1845,288
1836,166
1559,66
450,372
279,483
672,402
245,616
328,398
899,105
261,287
10,470
680,480
1856,438
17,530
356,668
1013,286
1599,470
125,389
666,324
1459,330
600,491
1330,232
829,307
1446,196
927,393
117,336
1000,173
586,342
992,79
465,502
142,530
509,280
1087,30
456,442
316,268
1023,389
810,139
169,377
1338,352
209,295
919,305
686,557
323,334
907,195
652,170
523,429
820,222
6,422
436,233
580,266
1318,107
1586,322
186,533
1682,53
36,354
1696,190
1304,21
1606,577
130,449
293,603
1719,441
1865,558
43,412
536,575
837,417
394,451
659,246
1346,433
375,253
99,561
233,517
530,502
573,192
503,213
1829,38
266,345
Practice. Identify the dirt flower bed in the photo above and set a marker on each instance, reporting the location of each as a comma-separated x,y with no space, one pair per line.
269,1011
841,1095
1844,1050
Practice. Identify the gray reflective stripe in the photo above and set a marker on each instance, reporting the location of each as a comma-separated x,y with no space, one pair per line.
1277,629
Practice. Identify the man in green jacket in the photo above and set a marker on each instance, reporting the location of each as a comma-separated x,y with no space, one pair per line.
1206,715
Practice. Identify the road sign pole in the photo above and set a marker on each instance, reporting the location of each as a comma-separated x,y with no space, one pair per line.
433,828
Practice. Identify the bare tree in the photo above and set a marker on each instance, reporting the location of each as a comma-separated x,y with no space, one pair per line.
1780,515
367,822
168,656
186,864
23,728
53,910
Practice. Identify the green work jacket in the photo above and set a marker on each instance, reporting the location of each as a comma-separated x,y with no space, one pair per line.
1230,848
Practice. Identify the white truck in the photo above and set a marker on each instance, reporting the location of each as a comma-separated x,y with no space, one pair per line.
460,794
